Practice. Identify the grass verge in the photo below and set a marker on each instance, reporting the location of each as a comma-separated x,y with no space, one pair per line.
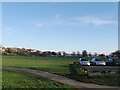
12,79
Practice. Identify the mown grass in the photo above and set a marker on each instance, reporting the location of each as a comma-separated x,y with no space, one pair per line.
0,79
50,64
58,66
12,79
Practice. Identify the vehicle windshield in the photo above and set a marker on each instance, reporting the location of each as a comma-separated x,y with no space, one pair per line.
99,60
84,60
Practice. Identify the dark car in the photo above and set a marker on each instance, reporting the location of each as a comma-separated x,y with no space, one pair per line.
114,62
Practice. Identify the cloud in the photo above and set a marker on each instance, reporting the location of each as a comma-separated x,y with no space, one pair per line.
95,20
38,24
52,21
34,23
8,29
57,16
57,20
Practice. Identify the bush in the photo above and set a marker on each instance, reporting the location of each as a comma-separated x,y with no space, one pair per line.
76,69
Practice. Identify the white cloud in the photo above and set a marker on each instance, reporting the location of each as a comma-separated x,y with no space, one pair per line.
8,32
8,29
39,24
95,20
53,21
34,23
57,20
57,16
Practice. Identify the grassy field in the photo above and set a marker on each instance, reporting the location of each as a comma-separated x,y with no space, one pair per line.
23,80
54,65
50,64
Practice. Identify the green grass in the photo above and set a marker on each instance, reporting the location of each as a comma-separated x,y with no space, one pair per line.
57,66
0,79
23,80
111,80
50,64
104,79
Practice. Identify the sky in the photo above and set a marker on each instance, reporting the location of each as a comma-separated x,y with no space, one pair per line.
60,26
60,0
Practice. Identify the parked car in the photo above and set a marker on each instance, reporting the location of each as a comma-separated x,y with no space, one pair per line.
110,60
114,62
96,61
84,61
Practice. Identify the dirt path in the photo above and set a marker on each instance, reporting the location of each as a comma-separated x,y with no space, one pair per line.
60,79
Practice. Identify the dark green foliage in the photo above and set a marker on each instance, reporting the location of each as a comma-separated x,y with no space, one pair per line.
84,53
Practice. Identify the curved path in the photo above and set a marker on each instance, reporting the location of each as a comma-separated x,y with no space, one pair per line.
61,79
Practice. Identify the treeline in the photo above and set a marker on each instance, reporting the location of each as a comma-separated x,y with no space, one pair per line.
37,53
